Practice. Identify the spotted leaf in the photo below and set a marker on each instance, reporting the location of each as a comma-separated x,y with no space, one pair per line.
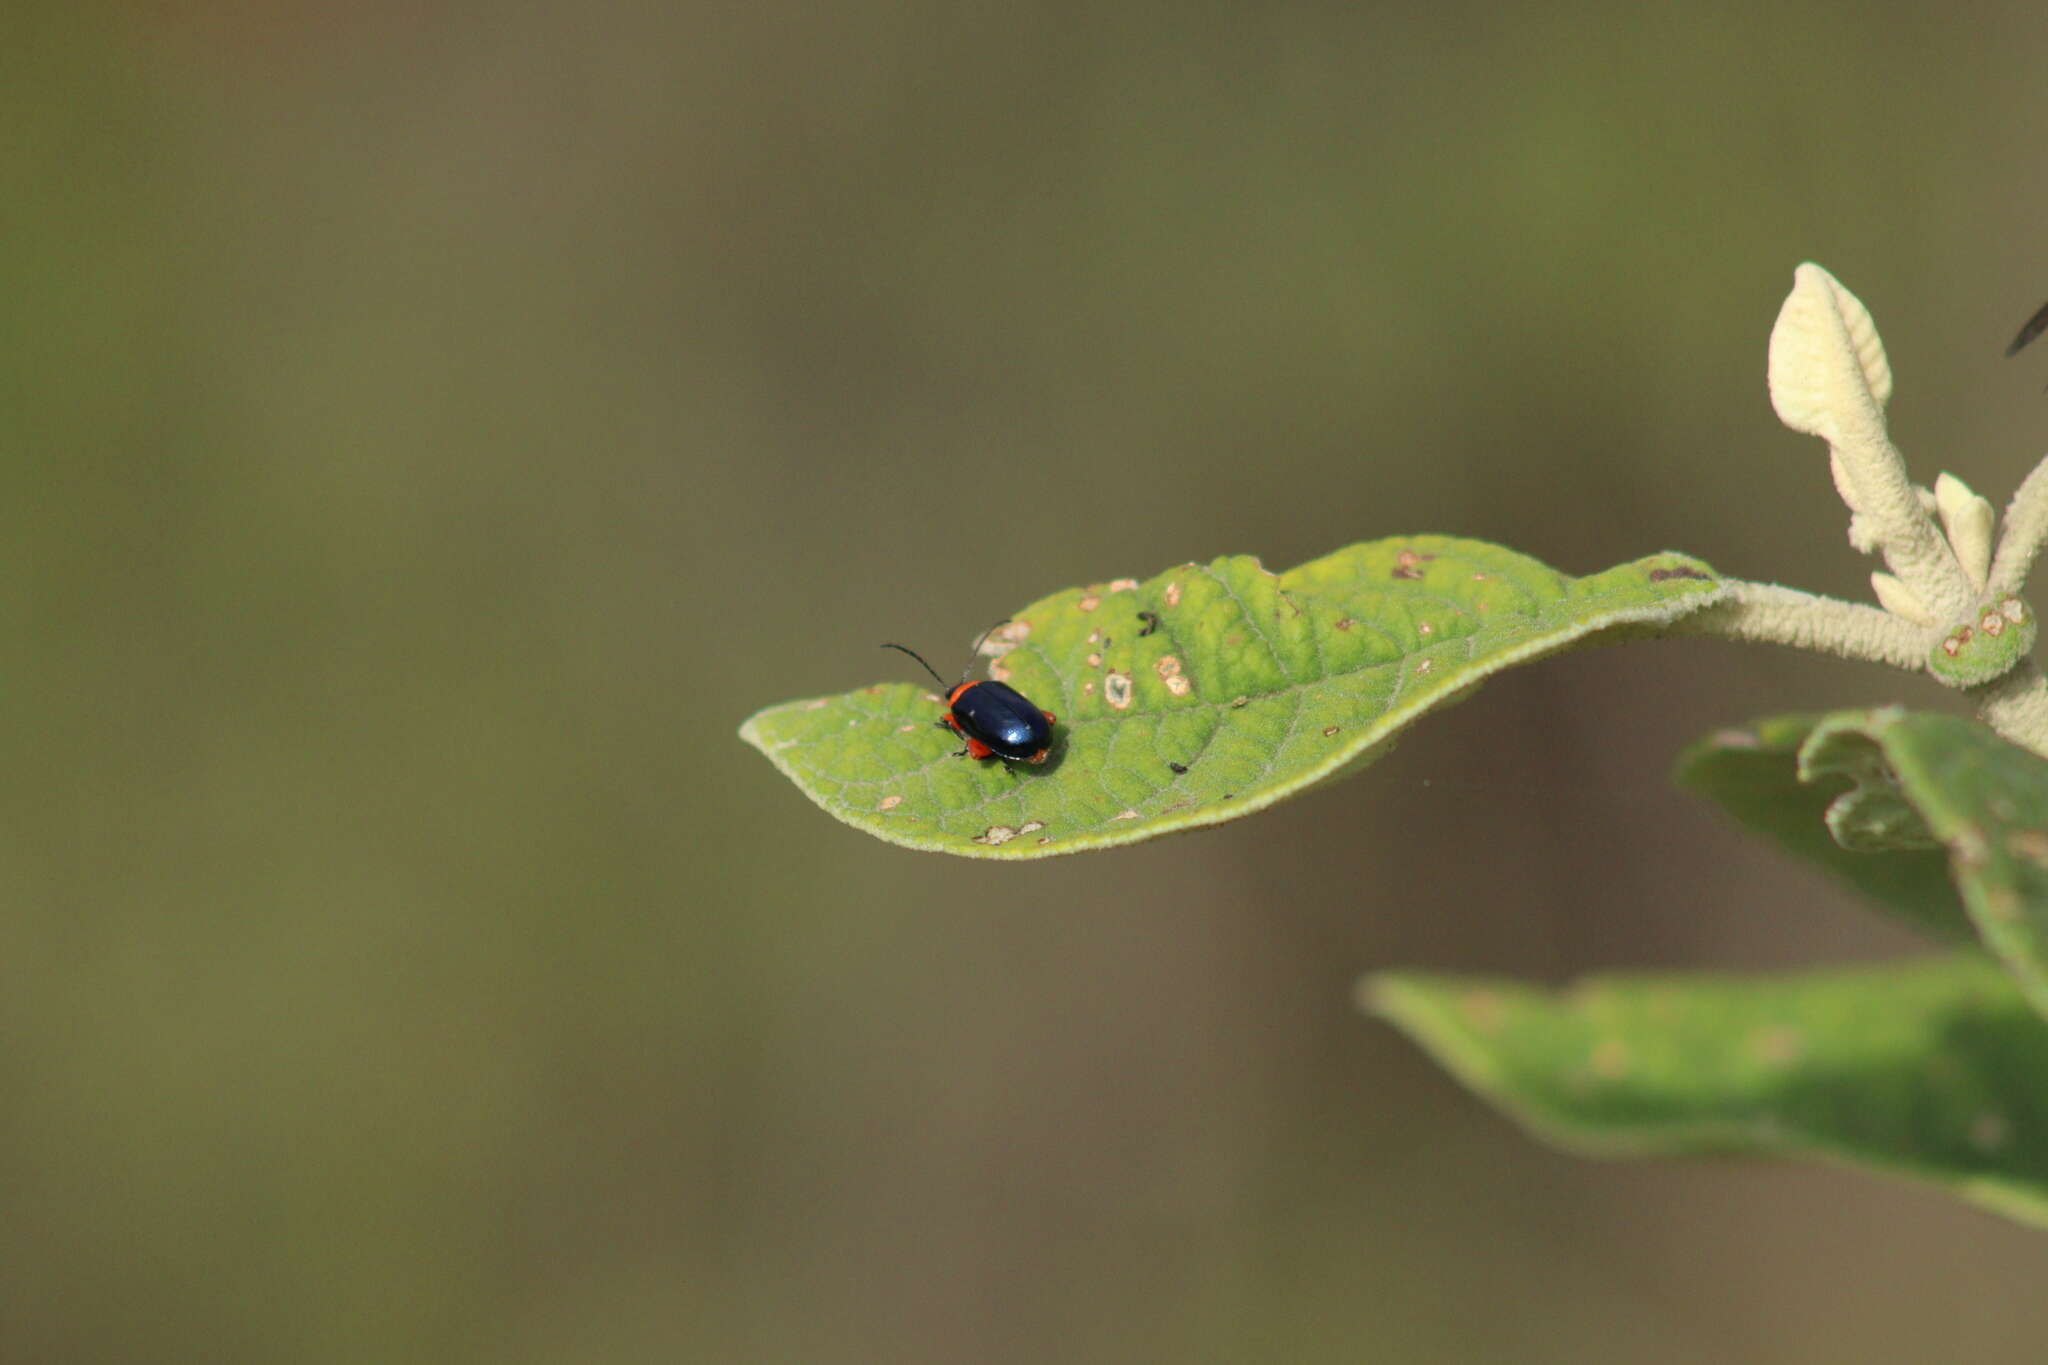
1207,692
1927,1069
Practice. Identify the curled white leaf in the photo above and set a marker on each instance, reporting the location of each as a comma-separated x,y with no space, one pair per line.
1969,521
1828,372
1900,600
1829,378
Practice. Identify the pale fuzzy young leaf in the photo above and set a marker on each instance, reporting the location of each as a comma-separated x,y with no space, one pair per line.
1985,800
1900,600
1829,378
1828,372
1208,691
1928,1070
1969,521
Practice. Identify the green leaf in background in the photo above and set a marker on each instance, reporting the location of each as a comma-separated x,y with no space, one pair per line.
1207,692
1984,799
1753,773
1930,1069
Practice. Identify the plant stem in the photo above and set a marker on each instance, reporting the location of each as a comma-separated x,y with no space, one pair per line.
1785,616
2026,527
2016,706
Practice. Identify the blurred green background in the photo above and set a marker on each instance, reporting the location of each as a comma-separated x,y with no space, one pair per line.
429,431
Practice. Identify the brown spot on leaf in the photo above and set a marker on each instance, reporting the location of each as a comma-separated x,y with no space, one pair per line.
1178,768
1124,585
1117,690
890,803
1485,1010
1776,1046
1408,564
2031,844
1031,827
1681,571
1168,669
1089,603
1425,665
1173,594
1989,1131
1095,661
906,727
996,835
1345,623
1992,624
1329,730
1956,642
2001,904
1125,815
2013,610
1481,577
1095,637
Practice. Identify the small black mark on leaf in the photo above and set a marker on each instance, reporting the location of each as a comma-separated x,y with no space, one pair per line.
1151,620
1177,767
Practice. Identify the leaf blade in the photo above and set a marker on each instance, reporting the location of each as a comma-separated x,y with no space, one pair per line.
1209,691
1986,800
1752,773
1927,1070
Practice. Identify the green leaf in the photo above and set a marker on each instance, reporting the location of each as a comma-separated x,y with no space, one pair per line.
1931,1069
1753,773
1207,692
1984,799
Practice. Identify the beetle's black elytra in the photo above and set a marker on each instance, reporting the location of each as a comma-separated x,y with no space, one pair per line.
994,718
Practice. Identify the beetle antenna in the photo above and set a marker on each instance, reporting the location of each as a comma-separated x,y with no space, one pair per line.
920,658
975,653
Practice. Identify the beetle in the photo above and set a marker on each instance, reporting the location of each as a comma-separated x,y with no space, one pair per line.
995,719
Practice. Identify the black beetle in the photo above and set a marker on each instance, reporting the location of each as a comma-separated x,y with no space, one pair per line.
995,719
